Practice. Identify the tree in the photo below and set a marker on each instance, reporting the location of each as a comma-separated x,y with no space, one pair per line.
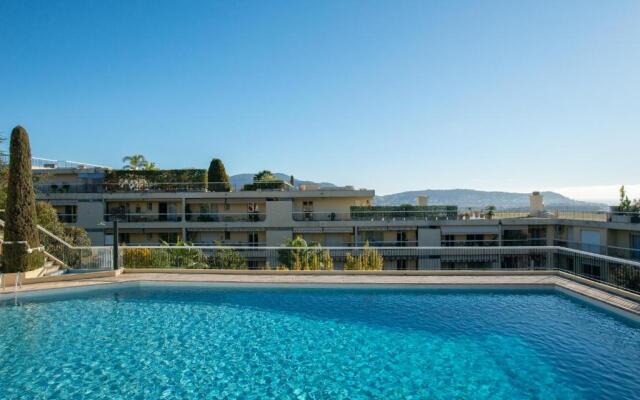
149,166
4,178
625,203
264,176
490,211
292,181
217,178
135,162
20,232
47,218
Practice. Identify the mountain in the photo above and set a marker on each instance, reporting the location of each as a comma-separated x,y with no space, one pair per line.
464,198
243,179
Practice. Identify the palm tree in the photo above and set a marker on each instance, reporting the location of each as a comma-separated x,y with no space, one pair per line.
149,166
490,211
135,162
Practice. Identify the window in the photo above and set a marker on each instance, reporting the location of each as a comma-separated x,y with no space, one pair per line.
448,240
475,240
227,206
169,237
149,206
227,235
307,209
401,265
635,245
253,238
401,238
124,238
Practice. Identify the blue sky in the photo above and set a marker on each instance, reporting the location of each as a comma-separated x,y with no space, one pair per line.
391,95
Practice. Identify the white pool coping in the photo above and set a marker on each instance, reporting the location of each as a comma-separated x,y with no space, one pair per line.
614,299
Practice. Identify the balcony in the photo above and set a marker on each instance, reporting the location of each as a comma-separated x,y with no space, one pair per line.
189,217
143,217
390,216
225,217
494,243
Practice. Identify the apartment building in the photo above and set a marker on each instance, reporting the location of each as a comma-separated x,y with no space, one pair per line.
150,213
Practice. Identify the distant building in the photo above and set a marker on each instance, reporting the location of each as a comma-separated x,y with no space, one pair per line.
151,212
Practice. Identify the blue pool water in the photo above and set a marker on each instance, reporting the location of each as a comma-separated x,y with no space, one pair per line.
188,342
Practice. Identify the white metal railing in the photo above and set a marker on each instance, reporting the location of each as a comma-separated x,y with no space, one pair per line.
610,270
75,257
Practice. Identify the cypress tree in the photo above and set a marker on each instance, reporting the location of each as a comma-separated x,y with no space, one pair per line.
217,178
20,217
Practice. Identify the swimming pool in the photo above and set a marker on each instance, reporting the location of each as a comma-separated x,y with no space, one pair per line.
161,341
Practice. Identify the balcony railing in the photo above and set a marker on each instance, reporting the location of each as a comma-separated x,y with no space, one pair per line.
157,187
612,271
225,217
612,251
144,217
494,242
189,217
373,216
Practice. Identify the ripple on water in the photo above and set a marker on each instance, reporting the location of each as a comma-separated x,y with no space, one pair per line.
211,343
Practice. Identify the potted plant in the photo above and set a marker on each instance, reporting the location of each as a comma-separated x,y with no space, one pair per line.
625,211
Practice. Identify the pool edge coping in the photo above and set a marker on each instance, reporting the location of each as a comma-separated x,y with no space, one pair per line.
569,284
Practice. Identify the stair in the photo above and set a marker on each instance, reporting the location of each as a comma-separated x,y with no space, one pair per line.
52,266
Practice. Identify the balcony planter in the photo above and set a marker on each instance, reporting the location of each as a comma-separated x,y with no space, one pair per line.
624,216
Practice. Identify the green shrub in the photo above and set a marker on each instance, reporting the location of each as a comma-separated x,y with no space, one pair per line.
368,260
162,180
227,258
303,257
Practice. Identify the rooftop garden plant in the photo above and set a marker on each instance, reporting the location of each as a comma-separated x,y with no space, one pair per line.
265,180
161,180
217,178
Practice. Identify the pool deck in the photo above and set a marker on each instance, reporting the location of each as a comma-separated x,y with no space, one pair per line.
589,290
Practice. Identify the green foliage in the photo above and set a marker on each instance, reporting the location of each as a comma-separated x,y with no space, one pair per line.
227,258
4,178
218,180
490,211
625,203
264,176
150,166
265,180
20,221
368,260
163,180
304,257
180,255
184,255
145,258
137,162
47,218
